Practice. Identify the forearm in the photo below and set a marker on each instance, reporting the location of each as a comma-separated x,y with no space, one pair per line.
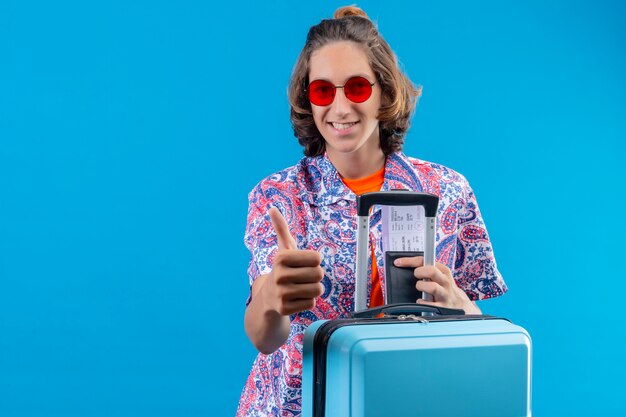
266,328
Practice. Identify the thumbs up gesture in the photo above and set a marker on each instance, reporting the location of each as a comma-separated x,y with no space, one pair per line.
295,280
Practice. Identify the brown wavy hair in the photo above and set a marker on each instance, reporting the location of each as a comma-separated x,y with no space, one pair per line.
399,95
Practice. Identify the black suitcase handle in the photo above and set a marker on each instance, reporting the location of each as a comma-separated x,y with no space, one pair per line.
397,198
407,308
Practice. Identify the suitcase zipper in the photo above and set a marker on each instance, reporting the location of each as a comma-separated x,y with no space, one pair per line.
404,317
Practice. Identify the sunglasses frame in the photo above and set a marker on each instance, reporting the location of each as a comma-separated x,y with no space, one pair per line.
335,87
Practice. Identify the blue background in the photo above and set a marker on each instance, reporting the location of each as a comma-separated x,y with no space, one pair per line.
131,133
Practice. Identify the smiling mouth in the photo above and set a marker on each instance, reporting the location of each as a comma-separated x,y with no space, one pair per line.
343,126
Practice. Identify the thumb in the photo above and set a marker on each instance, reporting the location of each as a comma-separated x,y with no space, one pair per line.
285,240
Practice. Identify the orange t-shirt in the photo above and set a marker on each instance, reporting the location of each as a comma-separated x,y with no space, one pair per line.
359,186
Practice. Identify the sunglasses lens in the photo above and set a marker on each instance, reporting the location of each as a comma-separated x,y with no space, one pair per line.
358,89
321,93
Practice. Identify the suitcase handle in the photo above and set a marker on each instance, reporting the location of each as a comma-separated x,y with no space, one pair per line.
407,308
397,198
364,202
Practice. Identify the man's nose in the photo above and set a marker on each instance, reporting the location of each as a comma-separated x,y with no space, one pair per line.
341,104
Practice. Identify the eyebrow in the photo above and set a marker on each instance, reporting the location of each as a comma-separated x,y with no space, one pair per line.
360,74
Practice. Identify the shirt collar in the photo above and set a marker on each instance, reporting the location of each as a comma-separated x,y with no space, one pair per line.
322,186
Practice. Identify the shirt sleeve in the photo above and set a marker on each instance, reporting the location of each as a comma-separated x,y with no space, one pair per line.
475,268
259,238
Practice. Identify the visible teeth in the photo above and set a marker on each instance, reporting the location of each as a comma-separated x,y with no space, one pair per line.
343,126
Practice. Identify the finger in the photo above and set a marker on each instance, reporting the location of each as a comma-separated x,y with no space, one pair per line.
300,275
303,291
411,262
430,303
438,273
444,269
425,272
297,306
298,258
285,239
431,288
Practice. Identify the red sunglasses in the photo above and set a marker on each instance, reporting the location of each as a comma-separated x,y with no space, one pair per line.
356,89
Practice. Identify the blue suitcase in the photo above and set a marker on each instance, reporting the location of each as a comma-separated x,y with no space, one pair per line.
415,360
